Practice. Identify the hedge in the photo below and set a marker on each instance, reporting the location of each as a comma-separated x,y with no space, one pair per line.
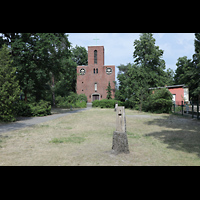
159,102
106,103
41,108
73,100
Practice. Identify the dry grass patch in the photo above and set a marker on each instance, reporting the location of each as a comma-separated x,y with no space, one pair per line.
85,138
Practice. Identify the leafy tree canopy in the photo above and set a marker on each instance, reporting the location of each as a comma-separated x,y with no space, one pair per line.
9,86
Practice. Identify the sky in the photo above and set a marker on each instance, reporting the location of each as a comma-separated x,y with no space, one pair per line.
119,47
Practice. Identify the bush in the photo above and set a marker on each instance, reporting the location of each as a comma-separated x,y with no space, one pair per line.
42,108
80,104
159,102
23,109
106,103
74,100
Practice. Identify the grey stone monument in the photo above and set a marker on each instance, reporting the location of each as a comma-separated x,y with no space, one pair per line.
120,140
116,105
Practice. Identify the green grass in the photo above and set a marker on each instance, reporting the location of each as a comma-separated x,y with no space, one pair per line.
133,135
68,140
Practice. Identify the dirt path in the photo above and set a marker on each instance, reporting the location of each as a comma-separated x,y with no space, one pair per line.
23,122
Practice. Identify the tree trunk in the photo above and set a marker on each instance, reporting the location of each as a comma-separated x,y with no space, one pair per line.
53,93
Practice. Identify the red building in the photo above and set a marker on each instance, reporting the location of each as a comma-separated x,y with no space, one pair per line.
180,93
93,80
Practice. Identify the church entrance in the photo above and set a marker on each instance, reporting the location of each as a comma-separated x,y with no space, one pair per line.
95,97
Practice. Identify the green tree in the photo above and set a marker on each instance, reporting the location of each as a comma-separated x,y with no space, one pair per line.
38,58
169,77
146,72
196,62
66,81
181,76
188,71
9,86
109,95
80,55
150,66
133,85
149,57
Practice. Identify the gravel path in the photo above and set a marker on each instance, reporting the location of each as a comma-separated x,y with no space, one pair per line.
23,122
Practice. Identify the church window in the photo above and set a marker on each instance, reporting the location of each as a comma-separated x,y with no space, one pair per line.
97,70
95,87
109,70
94,70
82,71
95,56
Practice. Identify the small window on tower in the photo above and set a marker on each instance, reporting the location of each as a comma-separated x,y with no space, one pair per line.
95,87
94,70
97,70
95,56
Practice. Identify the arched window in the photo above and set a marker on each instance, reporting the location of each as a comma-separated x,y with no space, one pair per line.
95,87
95,56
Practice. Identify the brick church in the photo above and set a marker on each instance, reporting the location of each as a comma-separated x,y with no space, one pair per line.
92,80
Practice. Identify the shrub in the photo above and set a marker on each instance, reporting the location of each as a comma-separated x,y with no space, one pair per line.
41,108
159,102
74,100
80,104
106,103
23,109
82,97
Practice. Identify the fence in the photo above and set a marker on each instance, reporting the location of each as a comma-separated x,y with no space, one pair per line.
187,108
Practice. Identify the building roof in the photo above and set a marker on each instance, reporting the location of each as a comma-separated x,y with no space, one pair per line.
172,86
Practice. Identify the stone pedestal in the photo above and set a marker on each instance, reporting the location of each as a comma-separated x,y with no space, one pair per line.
120,140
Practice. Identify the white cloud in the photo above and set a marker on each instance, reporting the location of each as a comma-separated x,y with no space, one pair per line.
183,38
161,35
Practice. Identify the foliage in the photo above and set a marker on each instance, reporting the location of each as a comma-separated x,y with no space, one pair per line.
9,86
106,103
41,108
149,57
146,72
80,55
38,57
196,62
66,81
184,74
188,71
160,101
109,96
73,100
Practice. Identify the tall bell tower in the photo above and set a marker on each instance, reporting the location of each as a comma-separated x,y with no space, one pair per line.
93,80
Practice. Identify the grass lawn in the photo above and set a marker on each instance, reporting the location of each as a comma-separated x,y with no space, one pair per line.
85,138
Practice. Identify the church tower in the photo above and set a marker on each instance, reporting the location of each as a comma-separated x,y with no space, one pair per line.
93,80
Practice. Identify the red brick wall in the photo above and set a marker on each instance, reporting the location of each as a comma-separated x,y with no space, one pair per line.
100,55
179,92
86,83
